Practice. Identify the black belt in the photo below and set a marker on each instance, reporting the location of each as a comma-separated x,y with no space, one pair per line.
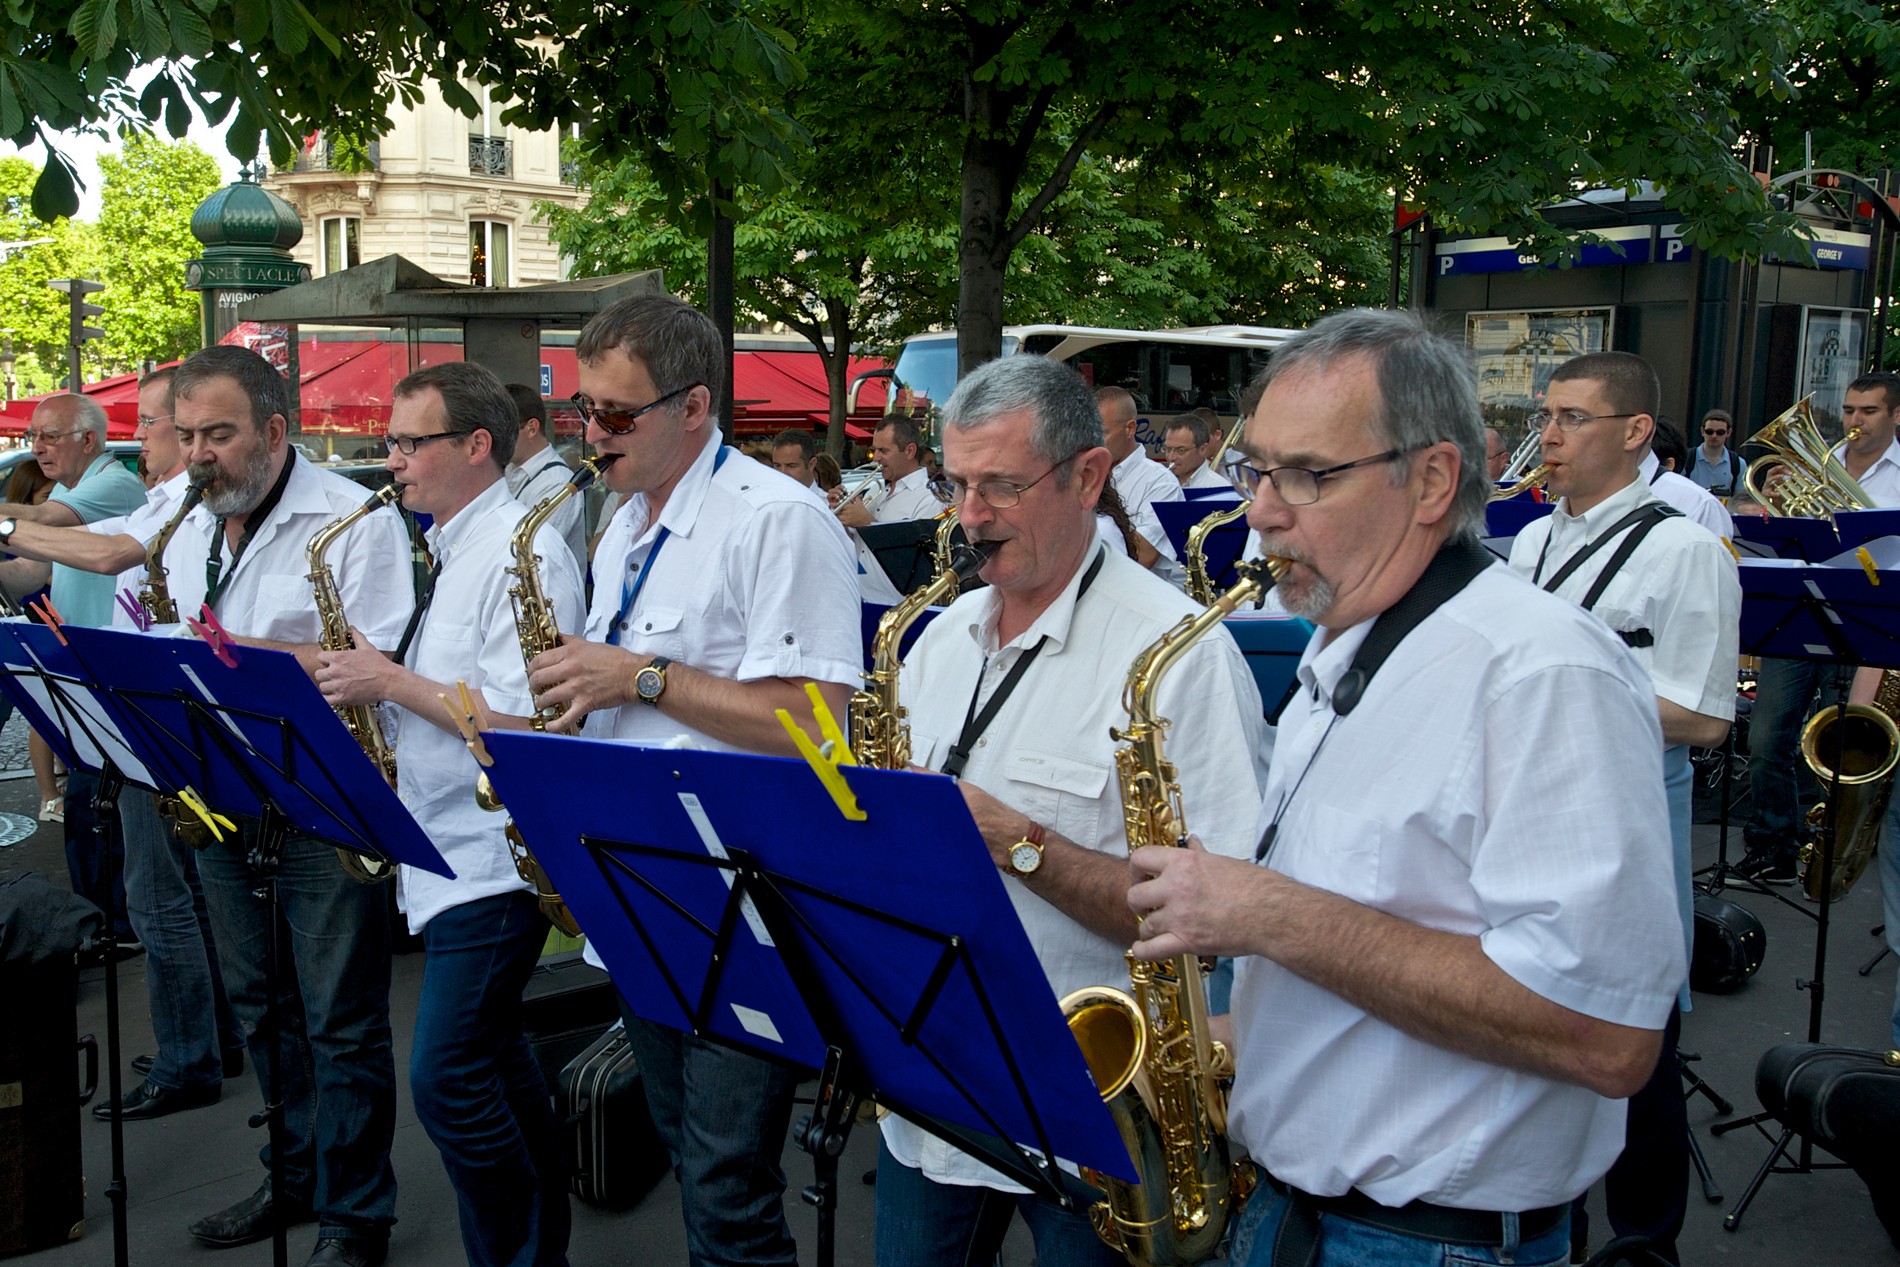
1297,1244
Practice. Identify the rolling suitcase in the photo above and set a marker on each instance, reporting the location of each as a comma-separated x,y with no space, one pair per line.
614,1155
566,1005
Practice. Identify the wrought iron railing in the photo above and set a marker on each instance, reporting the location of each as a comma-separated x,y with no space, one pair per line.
490,156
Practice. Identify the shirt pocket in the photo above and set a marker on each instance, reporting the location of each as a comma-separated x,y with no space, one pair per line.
443,649
286,610
1065,791
656,631
1332,849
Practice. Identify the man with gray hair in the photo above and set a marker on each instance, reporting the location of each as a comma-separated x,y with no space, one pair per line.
1457,936
1013,691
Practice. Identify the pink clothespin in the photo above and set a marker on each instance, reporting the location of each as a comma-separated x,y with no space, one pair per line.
208,628
135,610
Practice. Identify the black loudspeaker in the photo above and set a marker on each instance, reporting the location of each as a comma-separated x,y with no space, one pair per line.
1729,945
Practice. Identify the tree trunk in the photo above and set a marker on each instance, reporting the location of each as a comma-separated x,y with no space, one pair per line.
837,374
984,221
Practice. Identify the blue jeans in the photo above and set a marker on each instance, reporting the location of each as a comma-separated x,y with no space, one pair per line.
338,1072
96,868
1888,858
723,1115
923,1223
191,1017
477,1089
1780,788
1345,1243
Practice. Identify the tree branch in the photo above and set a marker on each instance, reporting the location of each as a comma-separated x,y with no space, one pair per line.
1057,182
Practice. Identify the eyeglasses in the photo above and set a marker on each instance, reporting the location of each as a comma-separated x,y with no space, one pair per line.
153,422
1179,450
409,444
46,437
1569,420
1299,485
1001,494
619,422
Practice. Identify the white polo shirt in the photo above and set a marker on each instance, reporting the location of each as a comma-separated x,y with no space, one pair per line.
468,634
187,588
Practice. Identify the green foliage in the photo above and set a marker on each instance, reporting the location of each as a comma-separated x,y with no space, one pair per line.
151,189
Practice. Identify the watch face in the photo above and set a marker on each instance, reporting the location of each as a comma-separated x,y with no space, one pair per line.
649,683
1024,857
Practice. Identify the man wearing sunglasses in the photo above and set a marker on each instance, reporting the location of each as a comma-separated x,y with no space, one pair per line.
1013,690
1457,952
1712,463
721,587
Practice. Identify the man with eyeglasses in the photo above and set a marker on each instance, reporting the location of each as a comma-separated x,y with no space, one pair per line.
199,1039
1712,464
263,502
1454,961
1669,588
1184,451
1013,691
472,1078
721,588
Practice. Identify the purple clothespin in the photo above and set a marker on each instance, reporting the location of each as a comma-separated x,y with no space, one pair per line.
208,628
135,610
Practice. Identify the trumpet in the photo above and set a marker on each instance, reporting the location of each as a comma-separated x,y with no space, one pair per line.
872,483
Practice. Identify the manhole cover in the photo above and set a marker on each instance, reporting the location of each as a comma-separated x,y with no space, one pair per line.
14,828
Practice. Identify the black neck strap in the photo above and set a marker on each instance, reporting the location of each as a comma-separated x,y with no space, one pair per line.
422,606
1597,542
216,578
974,722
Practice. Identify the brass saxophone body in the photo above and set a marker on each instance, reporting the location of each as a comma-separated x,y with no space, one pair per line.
1200,586
154,593
335,636
1867,740
880,737
538,631
1159,1071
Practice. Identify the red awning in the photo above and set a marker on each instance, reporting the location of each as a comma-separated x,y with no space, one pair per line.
119,396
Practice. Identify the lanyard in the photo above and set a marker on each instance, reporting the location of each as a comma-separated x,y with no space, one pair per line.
630,592
216,578
975,723
422,605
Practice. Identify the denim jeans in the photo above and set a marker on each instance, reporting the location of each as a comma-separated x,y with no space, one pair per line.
96,868
1345,1243
191,1017
923,1223
338,1071
723,1115
477,1089
1887,856
1780,787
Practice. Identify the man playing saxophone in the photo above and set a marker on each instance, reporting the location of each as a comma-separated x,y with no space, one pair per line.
472,1078
263,502
1457,936
1013,690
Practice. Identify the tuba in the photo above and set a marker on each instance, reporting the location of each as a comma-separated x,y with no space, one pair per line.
1160,1073
154,595
537,631
1868,740
360,719
1200,586
1815,483
880,737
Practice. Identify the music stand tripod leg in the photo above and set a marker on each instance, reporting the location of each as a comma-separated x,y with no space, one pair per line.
264,855
1733,1220
105,812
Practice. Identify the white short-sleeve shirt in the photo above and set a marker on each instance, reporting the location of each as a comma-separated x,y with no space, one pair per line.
186,588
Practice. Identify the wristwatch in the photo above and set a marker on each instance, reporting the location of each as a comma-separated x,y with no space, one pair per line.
1025,856
6,531
650,683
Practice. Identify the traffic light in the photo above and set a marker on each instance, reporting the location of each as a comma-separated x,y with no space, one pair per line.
76,289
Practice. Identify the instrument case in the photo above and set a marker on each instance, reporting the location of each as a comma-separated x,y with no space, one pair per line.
566,1005
42,1172
1848,1102
1729,945
614,1154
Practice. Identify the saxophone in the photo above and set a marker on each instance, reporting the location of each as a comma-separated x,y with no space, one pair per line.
154,596
880,737
1868,742
537,631
1200,586
359,718
1149,1050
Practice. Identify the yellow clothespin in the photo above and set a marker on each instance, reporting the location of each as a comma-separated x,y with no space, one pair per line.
470,723
213,821
825,761
1866,562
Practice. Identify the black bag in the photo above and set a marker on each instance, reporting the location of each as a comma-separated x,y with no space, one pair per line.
1848,1102
614,1154
567,1004
42,1172
1729,945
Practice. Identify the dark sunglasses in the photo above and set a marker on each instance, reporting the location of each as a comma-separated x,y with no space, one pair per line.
620,421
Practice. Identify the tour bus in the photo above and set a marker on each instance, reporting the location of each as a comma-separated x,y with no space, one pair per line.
1169,371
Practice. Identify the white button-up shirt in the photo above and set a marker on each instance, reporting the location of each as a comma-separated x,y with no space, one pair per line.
269,595
1140,482
468,634
1687,496
1681,585
546,474
1205,476
1498,779
1882,479
161,502
1048,754
755,580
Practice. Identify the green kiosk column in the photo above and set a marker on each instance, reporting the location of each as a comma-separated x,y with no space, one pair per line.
247,232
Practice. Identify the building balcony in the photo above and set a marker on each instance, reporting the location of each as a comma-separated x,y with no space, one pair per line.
491,156
330,155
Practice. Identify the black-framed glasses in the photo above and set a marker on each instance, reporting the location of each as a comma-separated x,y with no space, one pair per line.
619,422
1299,485
1568,420
1001,494
409,444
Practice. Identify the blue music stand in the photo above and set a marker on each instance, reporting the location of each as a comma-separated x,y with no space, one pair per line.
40,674
1273,644
729,897
1807,540
1222,546
1858,527
1508,518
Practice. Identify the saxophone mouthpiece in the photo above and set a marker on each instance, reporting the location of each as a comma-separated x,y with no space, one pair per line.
967,559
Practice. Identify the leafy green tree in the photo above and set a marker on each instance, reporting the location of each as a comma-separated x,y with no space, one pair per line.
151,189
35,317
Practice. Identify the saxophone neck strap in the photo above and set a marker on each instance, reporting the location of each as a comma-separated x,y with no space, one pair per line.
217,579
423,600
